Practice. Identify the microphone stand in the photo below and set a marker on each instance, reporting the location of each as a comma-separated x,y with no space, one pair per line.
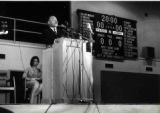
81,62
91,41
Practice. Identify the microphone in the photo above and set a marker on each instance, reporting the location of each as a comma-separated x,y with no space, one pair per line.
66,23
61,26
89,28
65,26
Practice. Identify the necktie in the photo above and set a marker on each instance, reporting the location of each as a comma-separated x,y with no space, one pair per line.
55,30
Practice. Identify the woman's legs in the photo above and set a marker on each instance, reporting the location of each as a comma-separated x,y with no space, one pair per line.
39,89
34,90
38,93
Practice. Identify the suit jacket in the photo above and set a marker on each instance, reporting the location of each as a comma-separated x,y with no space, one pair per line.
49,35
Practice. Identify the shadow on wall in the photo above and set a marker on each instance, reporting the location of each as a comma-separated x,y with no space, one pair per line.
3,110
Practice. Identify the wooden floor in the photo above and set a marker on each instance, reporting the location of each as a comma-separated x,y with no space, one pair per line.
68,108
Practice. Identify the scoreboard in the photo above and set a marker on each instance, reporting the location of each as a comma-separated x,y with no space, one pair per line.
115,37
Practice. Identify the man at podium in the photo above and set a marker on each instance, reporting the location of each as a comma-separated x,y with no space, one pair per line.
53,31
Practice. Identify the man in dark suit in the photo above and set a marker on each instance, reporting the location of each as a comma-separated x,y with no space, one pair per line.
53,31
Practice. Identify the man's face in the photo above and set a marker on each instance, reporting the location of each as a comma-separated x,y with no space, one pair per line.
53,22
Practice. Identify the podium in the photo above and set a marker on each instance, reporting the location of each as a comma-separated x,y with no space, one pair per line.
67,71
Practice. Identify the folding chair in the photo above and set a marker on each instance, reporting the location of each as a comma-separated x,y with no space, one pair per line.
9,84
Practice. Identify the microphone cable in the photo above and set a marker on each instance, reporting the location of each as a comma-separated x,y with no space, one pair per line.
48,108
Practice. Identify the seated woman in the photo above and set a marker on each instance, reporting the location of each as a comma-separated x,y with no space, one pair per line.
33,76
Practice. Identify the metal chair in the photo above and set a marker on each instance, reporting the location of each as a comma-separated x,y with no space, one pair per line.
8,83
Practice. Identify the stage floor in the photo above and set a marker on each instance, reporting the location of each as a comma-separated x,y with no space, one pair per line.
69,108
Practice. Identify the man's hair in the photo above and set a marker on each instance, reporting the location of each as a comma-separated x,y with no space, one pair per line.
50,21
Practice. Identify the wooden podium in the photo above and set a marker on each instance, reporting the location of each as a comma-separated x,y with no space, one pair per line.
67,71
